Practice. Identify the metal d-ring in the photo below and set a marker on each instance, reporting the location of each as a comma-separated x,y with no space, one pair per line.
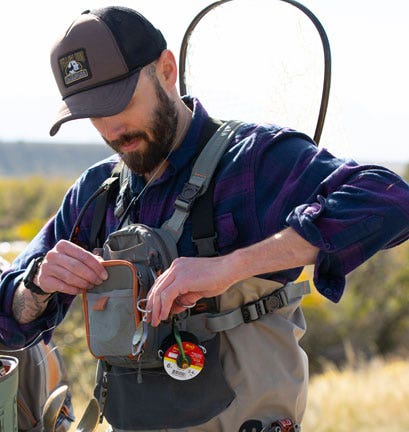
142,309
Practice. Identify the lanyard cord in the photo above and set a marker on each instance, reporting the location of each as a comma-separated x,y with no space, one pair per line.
183,361
76,228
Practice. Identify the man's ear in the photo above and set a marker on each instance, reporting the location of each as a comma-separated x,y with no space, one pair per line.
166,70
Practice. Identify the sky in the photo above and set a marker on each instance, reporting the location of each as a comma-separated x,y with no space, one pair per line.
368,111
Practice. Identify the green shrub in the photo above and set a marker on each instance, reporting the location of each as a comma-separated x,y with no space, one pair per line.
27,203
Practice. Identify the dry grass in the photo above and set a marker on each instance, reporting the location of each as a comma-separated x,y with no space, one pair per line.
371,397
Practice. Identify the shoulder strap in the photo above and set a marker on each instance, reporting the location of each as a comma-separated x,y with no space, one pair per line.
203,230
204,235
201,176
110,185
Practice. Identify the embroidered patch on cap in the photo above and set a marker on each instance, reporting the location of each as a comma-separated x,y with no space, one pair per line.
74,67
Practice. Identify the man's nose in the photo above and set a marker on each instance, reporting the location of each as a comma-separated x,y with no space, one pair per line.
110,128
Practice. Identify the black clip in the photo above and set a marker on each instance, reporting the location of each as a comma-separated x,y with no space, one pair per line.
267,304
187,197
276,300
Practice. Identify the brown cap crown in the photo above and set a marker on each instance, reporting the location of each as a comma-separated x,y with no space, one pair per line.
96,63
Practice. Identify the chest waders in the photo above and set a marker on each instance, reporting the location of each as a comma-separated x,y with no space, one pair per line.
135,393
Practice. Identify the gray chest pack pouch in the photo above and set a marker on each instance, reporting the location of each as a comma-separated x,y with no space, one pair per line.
133,388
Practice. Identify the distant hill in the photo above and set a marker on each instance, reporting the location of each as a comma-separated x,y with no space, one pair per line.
19,159
65,160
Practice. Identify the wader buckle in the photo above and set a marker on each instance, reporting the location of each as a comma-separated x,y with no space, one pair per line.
269,303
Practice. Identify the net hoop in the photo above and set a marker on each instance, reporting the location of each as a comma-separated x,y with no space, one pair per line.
325,45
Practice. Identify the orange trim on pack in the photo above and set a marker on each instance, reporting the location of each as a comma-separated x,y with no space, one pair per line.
135,288
54,373
86,320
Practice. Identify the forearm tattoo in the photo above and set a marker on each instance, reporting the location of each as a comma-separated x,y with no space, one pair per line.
27,306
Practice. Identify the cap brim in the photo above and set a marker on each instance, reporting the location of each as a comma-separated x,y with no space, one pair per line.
103,101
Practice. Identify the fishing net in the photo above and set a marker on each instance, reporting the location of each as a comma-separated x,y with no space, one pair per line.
258,61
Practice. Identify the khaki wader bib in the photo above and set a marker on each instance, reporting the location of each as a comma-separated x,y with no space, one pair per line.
262,362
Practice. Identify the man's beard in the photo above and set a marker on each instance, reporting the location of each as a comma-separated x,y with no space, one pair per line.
163,130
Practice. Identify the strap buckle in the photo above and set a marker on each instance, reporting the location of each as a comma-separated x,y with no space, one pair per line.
187,197
269,303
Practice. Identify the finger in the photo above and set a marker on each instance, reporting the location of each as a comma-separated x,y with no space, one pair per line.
154,300
168,298
79,261
184,302
63,287
155,305
49,272
92,261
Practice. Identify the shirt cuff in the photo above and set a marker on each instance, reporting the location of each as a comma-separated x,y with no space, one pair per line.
329,276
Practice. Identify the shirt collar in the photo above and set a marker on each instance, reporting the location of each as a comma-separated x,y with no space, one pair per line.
187,150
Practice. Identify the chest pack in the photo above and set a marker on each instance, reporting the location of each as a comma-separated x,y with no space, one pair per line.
134,256
144,362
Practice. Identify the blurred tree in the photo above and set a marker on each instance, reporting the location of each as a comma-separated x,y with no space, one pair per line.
372,317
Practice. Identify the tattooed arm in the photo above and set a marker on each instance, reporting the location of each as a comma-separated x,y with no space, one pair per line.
27,306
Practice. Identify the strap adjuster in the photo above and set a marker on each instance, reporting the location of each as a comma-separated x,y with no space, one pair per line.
206,246
187,197
255,310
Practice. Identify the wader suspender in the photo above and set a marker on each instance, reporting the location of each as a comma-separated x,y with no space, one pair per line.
110,186
201,176
203,231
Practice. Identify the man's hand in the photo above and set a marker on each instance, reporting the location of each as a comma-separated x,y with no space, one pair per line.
186,281
69,269
189,279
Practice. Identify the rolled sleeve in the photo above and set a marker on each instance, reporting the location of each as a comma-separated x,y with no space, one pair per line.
367,212
349,211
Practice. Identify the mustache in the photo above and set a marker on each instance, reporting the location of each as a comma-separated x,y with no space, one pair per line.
126,138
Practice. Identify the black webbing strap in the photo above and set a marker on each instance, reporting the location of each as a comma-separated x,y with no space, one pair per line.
203,231
97,232
202,218
204,234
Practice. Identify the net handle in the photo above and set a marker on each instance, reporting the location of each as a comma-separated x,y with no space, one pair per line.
325,44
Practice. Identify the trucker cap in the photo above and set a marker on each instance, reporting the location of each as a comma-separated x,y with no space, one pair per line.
96,63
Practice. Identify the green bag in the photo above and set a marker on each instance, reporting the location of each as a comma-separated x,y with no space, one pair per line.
8,393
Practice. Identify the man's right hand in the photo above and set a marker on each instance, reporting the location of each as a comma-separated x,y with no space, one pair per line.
69,269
